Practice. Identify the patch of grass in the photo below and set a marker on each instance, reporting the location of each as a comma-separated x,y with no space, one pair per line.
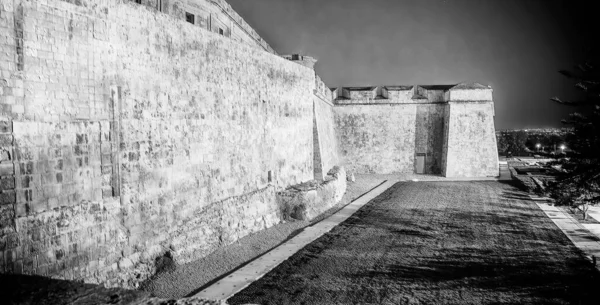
435,243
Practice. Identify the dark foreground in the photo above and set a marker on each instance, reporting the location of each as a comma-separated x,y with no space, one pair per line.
436,243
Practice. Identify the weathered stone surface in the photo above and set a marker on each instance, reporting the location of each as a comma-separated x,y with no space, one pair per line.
430,136
327,148
140,135
391,129
127,135
376,138
471,149
308,200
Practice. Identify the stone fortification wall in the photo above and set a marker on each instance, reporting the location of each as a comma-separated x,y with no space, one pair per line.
326,150
214,15
452,127
471,148
127,134
376,138
429,136
322,90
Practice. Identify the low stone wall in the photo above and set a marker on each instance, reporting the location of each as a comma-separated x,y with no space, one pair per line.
530,182
525,182
308,200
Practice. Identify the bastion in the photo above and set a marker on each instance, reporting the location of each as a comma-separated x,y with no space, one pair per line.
133,130
435,129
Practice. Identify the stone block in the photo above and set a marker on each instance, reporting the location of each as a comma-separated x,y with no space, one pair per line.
107,170
106,148
53,203
81,139
80,150
6,127
25,153
6,140
7,183
106,159
17,267
7,169
21,209
107,193
26,168
5,155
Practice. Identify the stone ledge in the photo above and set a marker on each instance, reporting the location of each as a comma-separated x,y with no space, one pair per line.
308,200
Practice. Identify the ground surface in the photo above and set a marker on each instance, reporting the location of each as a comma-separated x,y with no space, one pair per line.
435,243
36,290
188,279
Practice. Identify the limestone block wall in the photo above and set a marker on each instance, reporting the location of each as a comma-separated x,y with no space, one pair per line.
129,134
376,138
322,90
452,127
213,15
326,151
430,136
471,148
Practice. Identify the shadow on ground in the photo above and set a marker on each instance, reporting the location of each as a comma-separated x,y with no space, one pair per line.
26,289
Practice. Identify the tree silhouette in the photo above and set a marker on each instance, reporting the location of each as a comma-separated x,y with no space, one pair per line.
580,186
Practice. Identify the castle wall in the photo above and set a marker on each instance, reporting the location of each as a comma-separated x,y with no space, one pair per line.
452,129
376,138
430,135
471,148
327,148
214,15
129,134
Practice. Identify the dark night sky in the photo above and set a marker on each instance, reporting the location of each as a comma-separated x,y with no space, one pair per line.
516,46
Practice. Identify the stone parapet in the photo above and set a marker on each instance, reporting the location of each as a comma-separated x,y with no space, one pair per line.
418,94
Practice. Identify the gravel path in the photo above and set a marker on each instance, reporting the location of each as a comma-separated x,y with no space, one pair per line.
184,280
435,243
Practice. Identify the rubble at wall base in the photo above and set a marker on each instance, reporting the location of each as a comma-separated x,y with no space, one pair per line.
308,200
